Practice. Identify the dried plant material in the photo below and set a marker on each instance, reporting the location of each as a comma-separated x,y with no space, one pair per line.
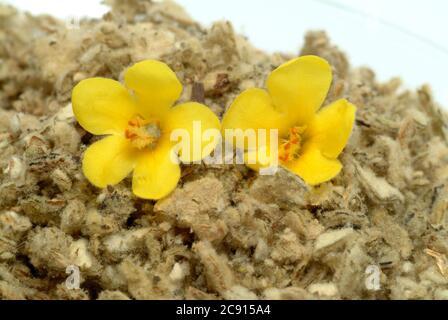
439,211
290,293
393,233
218,274
324,290
138,281
49,249
441,260
206,195
284,188
224,232
192,206
112,295
120,244
378,187
332,239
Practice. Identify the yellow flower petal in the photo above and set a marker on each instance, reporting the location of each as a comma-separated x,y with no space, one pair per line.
102,106
331,128
108,161
253,110
193,119
156,174
313,167
299,87
155,85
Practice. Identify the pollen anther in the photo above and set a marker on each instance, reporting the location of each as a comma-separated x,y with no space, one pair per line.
290,147
143,133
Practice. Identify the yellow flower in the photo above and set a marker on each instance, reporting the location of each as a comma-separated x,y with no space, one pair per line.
138,119
310,141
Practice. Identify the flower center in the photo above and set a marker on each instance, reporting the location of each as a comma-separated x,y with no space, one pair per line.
289,148
143,133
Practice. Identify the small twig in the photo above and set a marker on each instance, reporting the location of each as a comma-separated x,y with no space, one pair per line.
441,261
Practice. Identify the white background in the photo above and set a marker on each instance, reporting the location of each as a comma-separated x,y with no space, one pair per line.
408,38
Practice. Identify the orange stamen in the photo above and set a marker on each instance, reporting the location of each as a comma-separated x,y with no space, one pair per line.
142,133
291,146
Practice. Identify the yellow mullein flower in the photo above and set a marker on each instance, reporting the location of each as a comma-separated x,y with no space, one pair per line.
310,140
138,119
